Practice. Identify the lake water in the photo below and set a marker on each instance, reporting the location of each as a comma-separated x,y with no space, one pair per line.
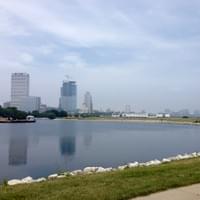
50,146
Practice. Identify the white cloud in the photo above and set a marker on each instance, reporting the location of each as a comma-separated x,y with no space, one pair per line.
46,49
26,58
105,45
73,62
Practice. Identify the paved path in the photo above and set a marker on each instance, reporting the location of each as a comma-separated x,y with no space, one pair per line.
184,193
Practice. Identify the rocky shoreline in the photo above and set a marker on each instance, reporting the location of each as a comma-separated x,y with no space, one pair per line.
91,170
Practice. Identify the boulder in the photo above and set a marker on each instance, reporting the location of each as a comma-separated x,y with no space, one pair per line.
132,165
122,167
61,176
109,169
101,169
153,162
14,182
194,154
179,157
40,180
28,179
166,160
142,164
52,176
186,156
76,172
90,169
198,154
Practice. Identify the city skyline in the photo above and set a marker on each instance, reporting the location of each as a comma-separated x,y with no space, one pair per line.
68,99
139,53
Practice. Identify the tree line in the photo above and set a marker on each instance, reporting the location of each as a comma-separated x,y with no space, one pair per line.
14,113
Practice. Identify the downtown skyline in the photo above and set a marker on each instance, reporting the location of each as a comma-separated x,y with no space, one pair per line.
139,54
85,102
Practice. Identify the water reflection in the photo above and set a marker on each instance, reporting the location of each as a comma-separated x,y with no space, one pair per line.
68,145
46,147
18,146
68,139
87,131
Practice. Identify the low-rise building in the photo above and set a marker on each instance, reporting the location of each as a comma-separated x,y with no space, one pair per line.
135,115
7,104
29,104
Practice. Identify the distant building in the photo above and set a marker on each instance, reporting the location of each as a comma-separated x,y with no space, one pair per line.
43,108
19,88
7,104
29,104
116,115
163,115
135,115
87,104
127,109
68,99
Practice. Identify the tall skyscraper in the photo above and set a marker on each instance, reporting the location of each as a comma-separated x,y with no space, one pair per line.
87,104
68,99
19,88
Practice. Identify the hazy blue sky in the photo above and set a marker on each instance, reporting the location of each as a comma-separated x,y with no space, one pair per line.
138,52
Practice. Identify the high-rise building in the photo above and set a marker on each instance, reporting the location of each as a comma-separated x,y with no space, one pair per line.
68,99
19,88
87,104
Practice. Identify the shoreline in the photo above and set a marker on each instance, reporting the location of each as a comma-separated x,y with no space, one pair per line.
150,121
97,170
124,183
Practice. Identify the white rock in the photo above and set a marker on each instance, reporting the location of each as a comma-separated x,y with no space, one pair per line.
109,169
142,164
61,176
153,162
101,169
131,165
40,180
52,176
186,156
90,169
179,157
14,182
27,180
157,162
194,154
122,167
172,158
166,160
76,172
198,154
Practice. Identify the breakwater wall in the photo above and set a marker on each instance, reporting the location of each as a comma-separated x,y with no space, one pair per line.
91,170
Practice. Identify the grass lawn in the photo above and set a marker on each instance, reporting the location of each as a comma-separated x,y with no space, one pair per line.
109,186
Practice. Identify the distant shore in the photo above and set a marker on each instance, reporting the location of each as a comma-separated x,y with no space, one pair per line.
178,121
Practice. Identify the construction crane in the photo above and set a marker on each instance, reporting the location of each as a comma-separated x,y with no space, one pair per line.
67,77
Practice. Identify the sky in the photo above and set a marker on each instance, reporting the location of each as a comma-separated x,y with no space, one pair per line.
125,52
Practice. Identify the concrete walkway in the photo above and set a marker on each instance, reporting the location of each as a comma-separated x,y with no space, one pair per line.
184,193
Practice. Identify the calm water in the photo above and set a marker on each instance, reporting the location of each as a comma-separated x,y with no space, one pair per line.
47,146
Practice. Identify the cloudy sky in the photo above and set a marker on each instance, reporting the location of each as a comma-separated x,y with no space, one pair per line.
138,52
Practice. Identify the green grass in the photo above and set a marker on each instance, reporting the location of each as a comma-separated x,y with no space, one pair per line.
116,185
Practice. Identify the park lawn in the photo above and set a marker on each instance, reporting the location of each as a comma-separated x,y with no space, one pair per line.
116,185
